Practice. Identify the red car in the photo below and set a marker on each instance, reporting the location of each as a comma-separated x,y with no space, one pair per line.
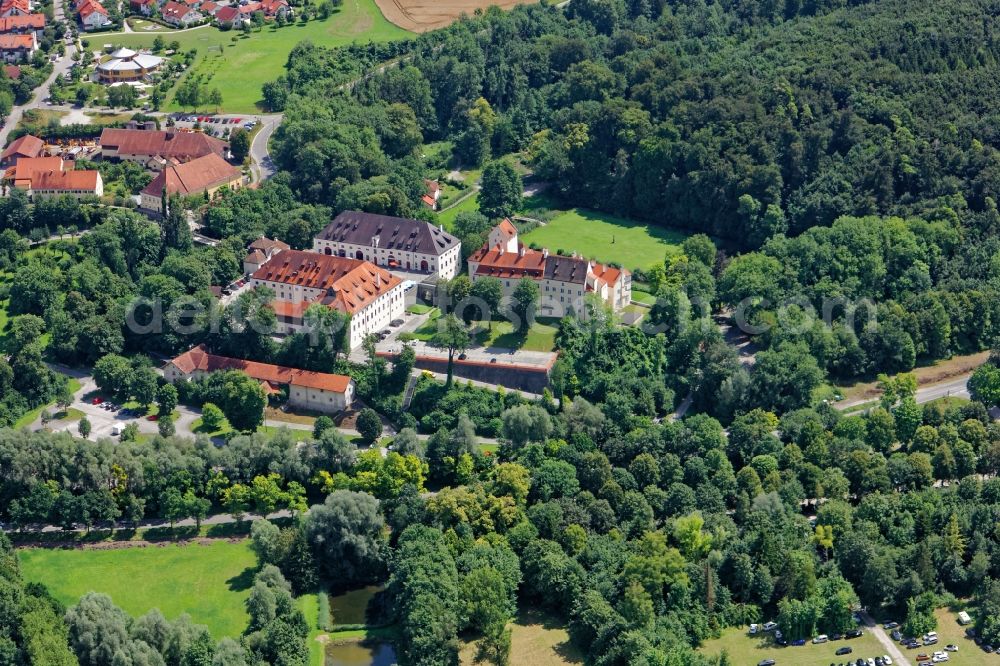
96,401
153,417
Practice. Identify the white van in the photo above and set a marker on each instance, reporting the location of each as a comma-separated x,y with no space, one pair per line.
115,431
822,638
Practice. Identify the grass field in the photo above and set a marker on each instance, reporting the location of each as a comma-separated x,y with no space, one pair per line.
209,582
541,336
469,204
239,69
747,650
535,640
606,238
950,631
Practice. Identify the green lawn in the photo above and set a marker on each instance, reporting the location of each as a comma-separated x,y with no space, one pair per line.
606,238
239,69
747,650
950,631
468,205
541,336
29,417
209,582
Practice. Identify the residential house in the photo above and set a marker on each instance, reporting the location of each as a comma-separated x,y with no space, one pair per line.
180,15
142,146
43,177
10,8
371,296
204,175
394,242
315,391
275,8
229,17
142,7
563,282
27,146
93,15
260,251
23,25
432,195
18,48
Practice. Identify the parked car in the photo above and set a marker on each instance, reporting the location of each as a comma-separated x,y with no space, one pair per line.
896,635
890,625
887,660
854,633
822,638
766,662
951,647
847,649
396,322
799,643
770,626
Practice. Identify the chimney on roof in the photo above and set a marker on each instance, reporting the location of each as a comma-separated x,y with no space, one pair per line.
545,253
573,254
441,228
378,280
520,251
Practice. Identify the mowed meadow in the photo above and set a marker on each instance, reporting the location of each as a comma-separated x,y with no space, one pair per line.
209,581
240,67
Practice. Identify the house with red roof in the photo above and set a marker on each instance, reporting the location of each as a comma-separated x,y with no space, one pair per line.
142,7
563,282
10,8
43,177
180,14
17,48
275,8
27,146
23,25
370,296
92,15
316,391
204,175
229,17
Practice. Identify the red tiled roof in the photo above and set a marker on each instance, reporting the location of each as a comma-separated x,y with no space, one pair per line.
17,42
25,146
182,145
199,358
495,262
13,23
507,227
428,200
193,177
27,167
354,284
227,14
65,180
22,6
89,7
268,245
175,10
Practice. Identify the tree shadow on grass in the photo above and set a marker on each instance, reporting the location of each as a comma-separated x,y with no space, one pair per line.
242,581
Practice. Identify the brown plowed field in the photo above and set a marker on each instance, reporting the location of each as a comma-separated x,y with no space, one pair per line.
424,15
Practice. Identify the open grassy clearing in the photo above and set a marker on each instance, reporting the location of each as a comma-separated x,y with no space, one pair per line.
606,238
745,650
240,68
540,337
208,581
950,631
470,204
536,640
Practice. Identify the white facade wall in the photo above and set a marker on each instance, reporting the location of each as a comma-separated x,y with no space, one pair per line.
447,265
329,402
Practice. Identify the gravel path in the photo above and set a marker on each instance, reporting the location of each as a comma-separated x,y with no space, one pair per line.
890,646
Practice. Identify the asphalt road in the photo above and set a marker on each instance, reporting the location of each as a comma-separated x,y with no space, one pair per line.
59,68
956,387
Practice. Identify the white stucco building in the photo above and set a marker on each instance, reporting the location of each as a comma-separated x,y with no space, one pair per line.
371,296
393,242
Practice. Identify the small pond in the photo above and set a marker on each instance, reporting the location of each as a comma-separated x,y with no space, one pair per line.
369,653
349,607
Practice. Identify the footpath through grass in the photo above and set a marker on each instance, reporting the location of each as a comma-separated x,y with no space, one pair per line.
209,582
240,68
